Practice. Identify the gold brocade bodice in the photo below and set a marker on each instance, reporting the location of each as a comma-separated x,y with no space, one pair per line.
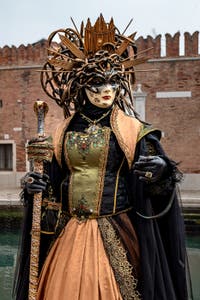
126,129
86,156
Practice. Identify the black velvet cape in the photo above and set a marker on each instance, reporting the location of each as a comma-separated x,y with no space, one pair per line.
161,240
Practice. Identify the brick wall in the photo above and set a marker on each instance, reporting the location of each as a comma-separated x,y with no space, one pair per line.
178,118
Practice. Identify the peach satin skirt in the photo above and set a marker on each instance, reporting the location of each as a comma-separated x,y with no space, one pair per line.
77,267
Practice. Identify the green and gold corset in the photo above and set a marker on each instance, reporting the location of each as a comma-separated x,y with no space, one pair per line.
86,156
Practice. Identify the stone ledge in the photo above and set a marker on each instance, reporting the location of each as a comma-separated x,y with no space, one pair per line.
10,197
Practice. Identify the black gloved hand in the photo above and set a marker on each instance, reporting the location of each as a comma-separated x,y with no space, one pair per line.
150,168
34,182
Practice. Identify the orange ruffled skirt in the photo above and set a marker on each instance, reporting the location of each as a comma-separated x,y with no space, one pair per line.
77,267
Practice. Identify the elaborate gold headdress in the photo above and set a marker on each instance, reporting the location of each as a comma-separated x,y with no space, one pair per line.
75,57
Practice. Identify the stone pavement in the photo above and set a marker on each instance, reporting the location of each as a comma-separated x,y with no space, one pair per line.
10,197
190,199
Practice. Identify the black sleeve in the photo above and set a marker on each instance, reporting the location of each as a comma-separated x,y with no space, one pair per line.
150,145
161,239
52,194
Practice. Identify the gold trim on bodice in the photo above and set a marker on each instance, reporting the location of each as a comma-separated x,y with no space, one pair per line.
58,138
86,156
125,128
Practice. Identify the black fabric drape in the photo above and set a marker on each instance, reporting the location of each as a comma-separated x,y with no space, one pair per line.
162,242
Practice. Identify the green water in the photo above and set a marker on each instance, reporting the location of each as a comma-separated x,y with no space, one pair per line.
193,241
8,253
9,240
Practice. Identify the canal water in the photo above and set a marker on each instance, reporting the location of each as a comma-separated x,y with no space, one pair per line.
9,239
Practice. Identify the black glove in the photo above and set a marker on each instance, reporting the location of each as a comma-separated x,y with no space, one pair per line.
150,168
34,182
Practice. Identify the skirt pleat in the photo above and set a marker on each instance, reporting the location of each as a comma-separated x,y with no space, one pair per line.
77,267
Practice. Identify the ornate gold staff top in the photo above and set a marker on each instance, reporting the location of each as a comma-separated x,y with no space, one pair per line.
38,151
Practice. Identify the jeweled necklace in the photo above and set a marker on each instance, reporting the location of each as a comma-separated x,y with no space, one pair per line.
94,125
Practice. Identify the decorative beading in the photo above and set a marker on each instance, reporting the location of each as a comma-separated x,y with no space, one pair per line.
119,262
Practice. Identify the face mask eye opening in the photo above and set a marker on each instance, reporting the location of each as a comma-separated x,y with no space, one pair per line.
114,81
92,88
97,81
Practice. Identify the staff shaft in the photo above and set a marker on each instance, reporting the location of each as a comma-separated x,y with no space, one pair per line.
35,238
38,151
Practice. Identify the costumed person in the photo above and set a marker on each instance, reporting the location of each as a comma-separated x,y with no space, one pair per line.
111,226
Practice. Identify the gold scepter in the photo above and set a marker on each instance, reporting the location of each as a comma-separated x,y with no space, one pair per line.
39,150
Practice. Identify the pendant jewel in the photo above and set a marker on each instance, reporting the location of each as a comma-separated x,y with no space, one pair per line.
94,125
93,128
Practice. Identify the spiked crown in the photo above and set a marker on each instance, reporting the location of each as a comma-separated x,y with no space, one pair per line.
74,57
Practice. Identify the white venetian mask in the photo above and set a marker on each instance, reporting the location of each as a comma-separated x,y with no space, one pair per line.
103,96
